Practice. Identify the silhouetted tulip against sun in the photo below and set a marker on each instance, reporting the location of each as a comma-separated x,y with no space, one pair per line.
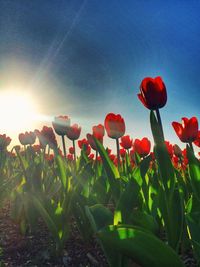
46,137
4,141
115,128
60,125
27,138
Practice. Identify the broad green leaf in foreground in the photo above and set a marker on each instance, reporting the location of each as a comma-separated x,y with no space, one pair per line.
144,248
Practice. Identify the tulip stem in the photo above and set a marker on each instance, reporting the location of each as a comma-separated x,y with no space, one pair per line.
118,156
191,146
160,122
74,146
63,143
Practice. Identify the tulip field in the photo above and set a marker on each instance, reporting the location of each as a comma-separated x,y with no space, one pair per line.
138,205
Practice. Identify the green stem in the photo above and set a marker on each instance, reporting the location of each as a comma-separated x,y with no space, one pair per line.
74,146
118,156
63,143
160,122
191,146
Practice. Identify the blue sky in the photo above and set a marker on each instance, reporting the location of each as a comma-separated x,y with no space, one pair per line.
87,58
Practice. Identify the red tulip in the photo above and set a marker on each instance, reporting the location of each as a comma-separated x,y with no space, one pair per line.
108,150
91,141
153,93
177,151
83,144
49,158
188,130
126,142
175,161
197,140
91,156
37,148
46,137
112,157
142,147
70,157
98,131
122,152
73,132
4,141
185,159
115,125
169,148
71,150
61,124
27,138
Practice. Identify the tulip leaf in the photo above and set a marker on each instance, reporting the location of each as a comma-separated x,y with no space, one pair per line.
194,172
129,200
111,171
194,234
143,247
100,217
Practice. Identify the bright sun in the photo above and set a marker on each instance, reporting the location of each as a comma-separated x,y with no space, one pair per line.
18,112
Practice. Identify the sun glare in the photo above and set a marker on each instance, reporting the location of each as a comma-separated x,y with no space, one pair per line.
18,111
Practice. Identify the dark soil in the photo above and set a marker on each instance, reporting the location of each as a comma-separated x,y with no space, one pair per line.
35,250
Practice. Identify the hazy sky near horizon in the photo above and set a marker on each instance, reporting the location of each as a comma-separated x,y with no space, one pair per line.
87,58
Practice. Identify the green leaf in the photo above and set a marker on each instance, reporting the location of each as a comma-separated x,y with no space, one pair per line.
194,234
46,217
144,248
111,171
62,172
194,172
145,221
129,200
99,217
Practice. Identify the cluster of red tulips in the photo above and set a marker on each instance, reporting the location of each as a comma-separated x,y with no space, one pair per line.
153,96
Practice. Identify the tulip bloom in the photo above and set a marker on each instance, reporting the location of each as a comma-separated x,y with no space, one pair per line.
73,132
197,140
60,124
71,150
84,145
122,152
91,141
115,125
70,157
115,128
46,137
153,94
169,148
126,142
27,138
4,141
98,131
142,147
177,151
188,130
